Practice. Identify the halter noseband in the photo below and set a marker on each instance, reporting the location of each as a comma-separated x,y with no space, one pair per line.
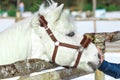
85,42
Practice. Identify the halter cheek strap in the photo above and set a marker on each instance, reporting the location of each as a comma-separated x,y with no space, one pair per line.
85,42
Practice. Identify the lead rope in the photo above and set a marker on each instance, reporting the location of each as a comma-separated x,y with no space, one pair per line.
85,42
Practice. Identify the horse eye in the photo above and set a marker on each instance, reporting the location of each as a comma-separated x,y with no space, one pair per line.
71,34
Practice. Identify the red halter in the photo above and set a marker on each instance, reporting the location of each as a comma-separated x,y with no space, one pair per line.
85,42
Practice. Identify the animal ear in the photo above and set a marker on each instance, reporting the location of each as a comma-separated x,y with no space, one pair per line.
54,15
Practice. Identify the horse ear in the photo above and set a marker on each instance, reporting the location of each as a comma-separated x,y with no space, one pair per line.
55,14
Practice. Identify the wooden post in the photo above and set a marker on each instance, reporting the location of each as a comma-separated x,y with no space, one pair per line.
98,74
94,8
18,12
18,1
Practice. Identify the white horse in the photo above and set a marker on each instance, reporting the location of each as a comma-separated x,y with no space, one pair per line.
27,39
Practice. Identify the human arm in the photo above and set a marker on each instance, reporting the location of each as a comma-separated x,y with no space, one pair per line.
111,69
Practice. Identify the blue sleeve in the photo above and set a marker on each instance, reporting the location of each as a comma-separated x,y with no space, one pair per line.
111,69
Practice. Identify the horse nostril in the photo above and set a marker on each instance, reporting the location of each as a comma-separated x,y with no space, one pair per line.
71,34
99,56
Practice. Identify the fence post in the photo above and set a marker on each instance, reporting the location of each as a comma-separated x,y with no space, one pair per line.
98,74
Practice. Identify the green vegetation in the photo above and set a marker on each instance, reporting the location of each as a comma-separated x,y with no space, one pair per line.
87,7
12,11
112,7
10,6
32,5
7,6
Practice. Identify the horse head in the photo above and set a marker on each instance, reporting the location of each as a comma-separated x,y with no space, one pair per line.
66,46
48,35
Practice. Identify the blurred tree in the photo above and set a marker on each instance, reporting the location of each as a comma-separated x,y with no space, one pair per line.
87,5
32,5
67,3
7,3
8,6
109,5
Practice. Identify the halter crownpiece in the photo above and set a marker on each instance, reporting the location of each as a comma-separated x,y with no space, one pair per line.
43,22
85,42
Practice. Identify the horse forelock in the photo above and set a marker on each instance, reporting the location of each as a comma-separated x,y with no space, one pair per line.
43,10
52,12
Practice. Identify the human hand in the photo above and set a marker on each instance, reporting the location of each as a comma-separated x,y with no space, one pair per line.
100,55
